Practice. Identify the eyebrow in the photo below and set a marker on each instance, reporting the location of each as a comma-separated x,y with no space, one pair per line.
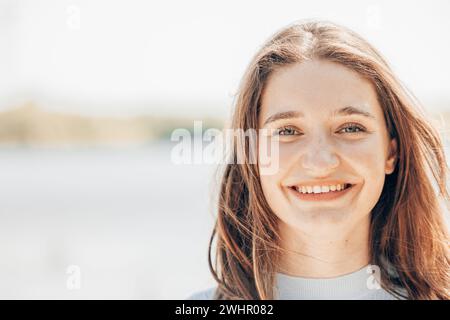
345,111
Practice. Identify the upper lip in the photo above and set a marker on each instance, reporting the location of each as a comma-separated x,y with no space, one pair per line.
319,183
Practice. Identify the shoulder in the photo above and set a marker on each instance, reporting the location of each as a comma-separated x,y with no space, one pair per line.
207,294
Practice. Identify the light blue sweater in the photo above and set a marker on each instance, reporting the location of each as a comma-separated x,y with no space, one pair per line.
358,285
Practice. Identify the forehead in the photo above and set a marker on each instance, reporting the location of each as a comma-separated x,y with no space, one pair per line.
317,88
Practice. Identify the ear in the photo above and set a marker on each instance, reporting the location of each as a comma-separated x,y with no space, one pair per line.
392,158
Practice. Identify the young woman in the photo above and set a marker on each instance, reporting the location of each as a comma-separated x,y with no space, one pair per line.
356,206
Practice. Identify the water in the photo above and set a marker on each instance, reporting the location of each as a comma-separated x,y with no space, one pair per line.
136,225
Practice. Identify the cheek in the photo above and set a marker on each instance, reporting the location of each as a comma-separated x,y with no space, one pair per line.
273,194
271,182
367,161
367,157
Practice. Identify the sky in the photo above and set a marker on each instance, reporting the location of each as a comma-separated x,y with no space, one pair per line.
187,57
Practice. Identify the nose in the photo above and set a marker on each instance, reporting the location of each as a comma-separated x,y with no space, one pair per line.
319,158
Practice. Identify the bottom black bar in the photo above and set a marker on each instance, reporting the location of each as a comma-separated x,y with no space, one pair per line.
207,309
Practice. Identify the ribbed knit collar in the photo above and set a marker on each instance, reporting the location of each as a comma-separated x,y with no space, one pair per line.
355,285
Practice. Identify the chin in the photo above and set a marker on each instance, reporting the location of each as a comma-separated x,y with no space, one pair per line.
319,221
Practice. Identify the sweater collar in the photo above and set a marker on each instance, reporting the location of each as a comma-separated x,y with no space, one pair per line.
353,285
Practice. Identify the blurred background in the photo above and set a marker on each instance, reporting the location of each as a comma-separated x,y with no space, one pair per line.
91,203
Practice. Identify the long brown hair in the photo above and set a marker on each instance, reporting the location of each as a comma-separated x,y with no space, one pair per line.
408,232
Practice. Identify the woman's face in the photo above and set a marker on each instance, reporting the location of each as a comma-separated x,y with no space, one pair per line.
331,132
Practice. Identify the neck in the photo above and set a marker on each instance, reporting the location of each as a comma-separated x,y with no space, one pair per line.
331,255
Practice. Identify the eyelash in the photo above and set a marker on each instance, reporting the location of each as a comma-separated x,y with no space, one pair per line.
346,126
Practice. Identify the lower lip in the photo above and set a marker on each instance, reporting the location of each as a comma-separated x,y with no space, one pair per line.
321,196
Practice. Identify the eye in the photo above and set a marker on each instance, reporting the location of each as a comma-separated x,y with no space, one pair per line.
353,128
286,131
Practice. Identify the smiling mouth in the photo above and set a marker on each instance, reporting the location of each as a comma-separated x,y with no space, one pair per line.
321,193
320,190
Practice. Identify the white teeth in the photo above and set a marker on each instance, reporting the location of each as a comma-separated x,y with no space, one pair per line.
320,189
